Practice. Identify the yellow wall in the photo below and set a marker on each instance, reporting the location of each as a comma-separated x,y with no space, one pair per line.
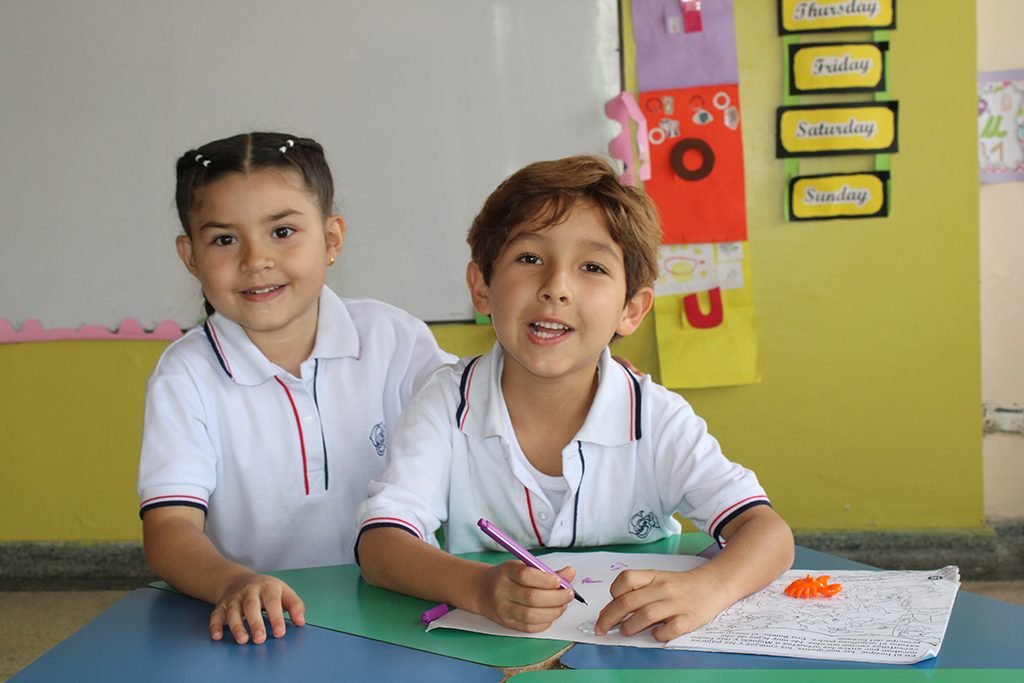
868,415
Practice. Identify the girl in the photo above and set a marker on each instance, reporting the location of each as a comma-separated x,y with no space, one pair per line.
264,425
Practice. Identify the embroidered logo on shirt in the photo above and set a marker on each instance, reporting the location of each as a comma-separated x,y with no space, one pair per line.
377,438
641,523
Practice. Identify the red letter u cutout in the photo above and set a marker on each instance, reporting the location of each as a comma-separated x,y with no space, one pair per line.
697,317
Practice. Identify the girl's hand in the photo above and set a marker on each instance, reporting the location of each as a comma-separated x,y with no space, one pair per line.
678,602
244,602
523,598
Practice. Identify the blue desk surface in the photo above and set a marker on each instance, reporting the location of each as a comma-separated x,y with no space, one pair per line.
982,633
153,635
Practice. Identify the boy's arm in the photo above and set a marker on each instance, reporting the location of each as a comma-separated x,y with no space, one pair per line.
181,554
759,549
511,594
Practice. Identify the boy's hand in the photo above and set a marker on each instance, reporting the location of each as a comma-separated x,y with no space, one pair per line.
524,598
679,601
244,602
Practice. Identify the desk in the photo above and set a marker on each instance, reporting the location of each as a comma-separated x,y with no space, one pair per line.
159,635
156,636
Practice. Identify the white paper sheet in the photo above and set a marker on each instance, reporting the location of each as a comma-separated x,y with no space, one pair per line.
891,617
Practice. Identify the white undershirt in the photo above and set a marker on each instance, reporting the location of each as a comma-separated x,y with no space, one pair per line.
555,488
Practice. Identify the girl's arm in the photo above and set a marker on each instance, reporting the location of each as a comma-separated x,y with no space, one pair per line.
181,554
759,549
511,594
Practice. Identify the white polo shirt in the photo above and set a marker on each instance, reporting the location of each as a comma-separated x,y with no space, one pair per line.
641,455
280,463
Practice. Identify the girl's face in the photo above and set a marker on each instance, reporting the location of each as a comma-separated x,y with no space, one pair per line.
260,247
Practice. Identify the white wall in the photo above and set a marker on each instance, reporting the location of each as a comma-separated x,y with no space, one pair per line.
1002,279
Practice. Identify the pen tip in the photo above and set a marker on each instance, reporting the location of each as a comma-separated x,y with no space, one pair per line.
580,598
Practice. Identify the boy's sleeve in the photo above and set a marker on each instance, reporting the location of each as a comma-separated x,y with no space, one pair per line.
178,465
412,493
697,480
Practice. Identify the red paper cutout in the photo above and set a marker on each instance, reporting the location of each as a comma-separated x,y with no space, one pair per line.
697,163
698,318
691,16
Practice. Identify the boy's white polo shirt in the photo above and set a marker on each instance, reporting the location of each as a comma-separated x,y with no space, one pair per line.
641,455
280,463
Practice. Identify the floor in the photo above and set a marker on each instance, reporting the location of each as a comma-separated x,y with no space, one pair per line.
32,622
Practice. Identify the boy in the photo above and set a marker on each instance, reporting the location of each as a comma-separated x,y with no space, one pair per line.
552,440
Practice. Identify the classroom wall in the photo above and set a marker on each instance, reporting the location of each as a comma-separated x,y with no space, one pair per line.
1002,280
867,416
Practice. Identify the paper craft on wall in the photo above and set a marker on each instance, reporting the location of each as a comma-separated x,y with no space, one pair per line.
834,129
801,16
687,75
842,195
836,67
1001,125
696,152
706,337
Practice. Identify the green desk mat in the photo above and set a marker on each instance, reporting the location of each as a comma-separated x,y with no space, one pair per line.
773,676
338,598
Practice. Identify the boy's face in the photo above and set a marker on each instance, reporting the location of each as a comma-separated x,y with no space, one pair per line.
557,296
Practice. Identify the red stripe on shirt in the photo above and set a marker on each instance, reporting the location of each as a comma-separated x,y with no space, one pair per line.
220,349
298,426
469,385
394,520
175,497
529,507
632,405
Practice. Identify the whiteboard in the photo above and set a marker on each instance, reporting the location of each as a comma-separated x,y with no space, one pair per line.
423,108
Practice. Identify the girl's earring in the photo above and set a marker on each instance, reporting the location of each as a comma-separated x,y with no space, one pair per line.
331,262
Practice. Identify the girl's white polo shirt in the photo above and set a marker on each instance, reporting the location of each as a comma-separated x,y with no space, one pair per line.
641,455
280,463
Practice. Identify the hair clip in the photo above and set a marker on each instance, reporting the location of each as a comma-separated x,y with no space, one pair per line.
204,163
284,148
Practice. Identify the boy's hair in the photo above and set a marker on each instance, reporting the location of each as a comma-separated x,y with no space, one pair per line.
544,192
252,152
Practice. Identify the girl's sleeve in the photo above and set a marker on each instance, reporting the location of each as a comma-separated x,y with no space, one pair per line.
178,464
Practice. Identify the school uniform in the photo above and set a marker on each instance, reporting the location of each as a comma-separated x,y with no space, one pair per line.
641,455
280,463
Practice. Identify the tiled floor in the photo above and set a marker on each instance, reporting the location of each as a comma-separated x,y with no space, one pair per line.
32,622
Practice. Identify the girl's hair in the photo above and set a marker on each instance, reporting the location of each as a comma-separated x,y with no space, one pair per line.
543,193
250,152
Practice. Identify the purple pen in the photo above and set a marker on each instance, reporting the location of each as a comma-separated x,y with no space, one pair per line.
522,554
434,613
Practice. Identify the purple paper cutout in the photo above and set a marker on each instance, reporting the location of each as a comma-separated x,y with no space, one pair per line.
622,108
684,60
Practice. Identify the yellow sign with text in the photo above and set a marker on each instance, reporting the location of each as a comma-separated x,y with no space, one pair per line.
836,129
797,16
836,67
852,195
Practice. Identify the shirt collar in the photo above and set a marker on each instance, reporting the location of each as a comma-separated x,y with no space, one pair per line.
336,337
613,420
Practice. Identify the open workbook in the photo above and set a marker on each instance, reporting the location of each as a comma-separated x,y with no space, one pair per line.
888,617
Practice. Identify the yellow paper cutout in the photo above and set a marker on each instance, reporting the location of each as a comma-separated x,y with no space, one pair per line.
833,196
839,66
831,129
833,15
726,355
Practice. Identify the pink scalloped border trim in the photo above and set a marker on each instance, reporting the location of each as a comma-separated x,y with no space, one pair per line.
129,329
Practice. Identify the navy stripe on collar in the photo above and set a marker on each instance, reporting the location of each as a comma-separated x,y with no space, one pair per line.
213,345
637,401
463,390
